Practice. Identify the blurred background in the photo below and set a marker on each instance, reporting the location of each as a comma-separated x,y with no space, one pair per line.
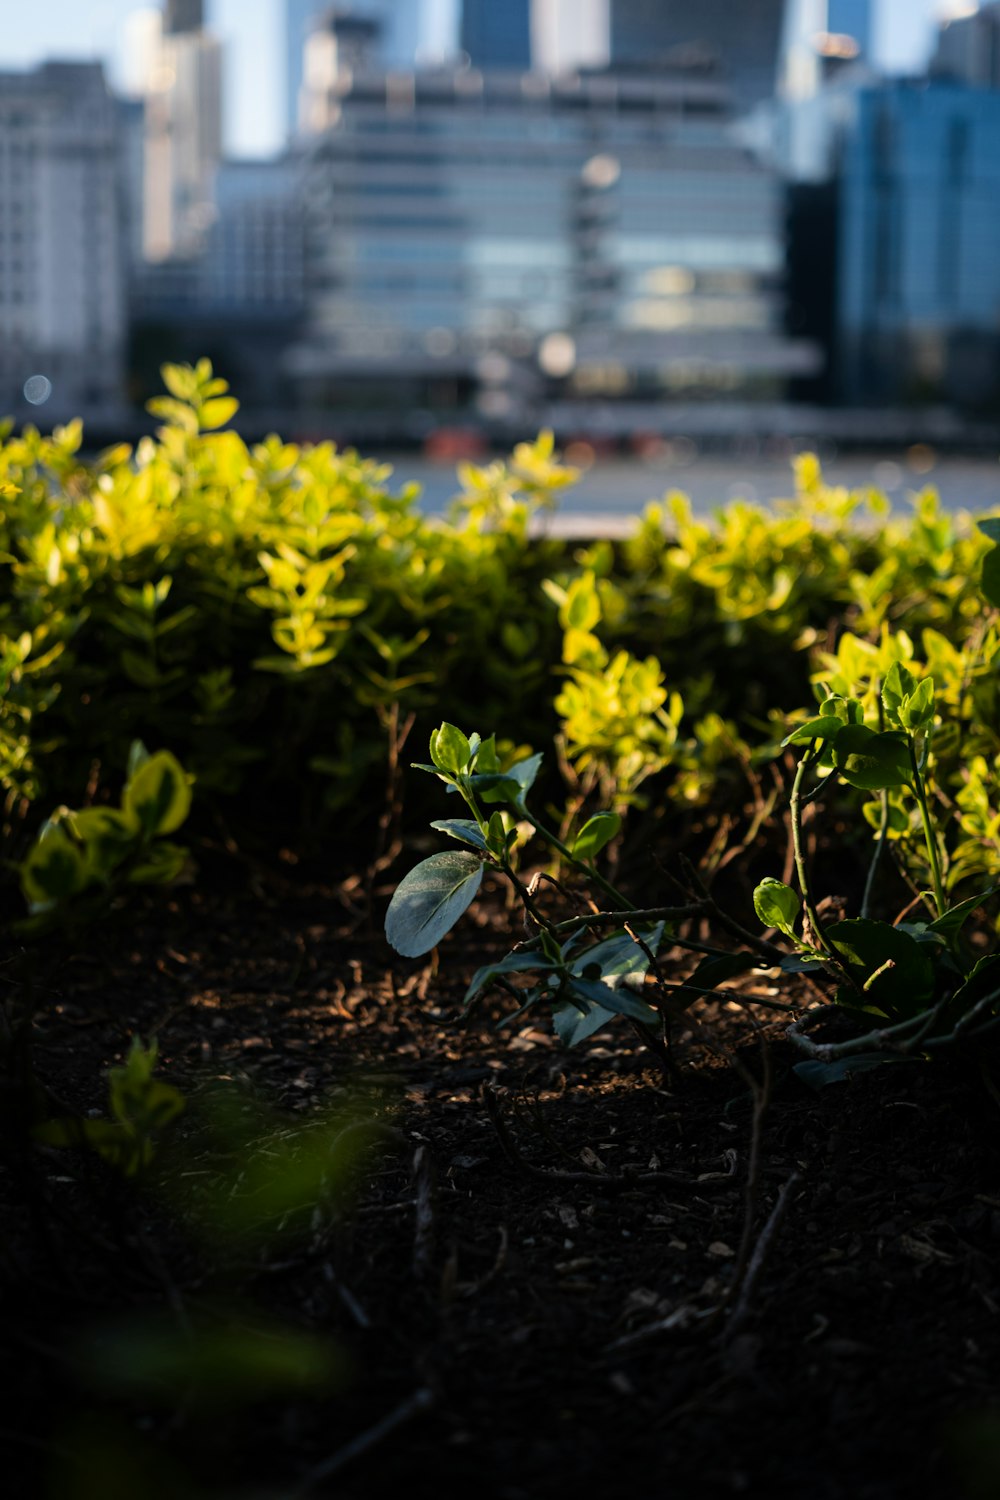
692,236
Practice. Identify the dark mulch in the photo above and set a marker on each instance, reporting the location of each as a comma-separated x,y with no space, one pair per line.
523,1335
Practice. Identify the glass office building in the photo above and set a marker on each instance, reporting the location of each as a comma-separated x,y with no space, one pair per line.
919,300
740,42
496,36
471,230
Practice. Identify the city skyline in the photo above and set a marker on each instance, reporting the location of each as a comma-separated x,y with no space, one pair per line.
252,32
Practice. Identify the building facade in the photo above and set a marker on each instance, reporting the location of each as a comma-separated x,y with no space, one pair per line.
486,235
182,91
738,43
62,274
968,49
919,245
496,36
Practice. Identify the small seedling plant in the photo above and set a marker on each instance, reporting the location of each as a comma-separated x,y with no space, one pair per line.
587,970
914,984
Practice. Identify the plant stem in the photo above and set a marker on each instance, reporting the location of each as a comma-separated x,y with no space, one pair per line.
929,838
883,833
579,864
795,811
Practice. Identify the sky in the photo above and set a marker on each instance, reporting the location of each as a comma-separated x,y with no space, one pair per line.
251,30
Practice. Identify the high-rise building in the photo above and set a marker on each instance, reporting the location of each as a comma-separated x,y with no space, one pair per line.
180,16
569,34
62,279
496,35
183,98
403,31
918,180
739,42
473,235
968,49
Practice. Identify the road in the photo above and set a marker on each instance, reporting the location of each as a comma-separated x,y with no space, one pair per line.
610,492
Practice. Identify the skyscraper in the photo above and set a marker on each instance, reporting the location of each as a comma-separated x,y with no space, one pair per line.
740,41
403,24
180,16
497,35
62,284
183,99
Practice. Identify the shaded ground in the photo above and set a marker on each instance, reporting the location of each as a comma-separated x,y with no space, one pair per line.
526,1335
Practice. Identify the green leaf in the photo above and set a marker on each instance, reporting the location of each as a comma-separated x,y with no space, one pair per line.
899,685
990,526
951,922
777,905
895,970
823,727
464,829
450,750
990,578
510,786
617,999
981,983
216,1364
54,869
714,971
917,711
217,413
496,836
520,962
430,899
621,963
158,797
595,834
870,761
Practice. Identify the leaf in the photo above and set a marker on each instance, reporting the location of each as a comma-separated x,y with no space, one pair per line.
801,963
899,685
574,1026
217,413
951,922
896,972
218,1364
54,869
870,761
819,1074
990,577
981,983
990,526
158,797
917,711
520,962
595,834
464,829
714,971
180,381
450,750
777,905
512,785
823,727
617,999
430,899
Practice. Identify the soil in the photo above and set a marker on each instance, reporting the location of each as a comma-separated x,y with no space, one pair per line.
529,1264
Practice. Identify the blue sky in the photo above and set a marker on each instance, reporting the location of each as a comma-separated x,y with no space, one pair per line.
251,30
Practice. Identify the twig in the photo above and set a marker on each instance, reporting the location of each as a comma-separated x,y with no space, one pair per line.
761,1251
597,1180
424,1233
421,1401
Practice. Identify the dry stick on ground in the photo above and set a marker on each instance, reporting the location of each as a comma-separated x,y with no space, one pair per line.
420,1401
762,1249
424,1228
602,1181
